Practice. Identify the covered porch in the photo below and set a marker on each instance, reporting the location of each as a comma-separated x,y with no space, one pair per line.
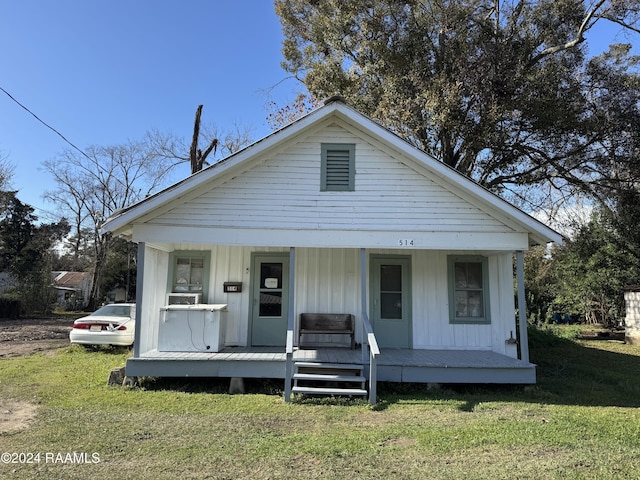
240,357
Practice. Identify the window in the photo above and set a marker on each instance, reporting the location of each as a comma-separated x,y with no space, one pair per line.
189,272
468,289
338,167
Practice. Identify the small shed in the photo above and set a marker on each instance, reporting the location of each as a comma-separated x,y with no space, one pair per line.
72,289
632,318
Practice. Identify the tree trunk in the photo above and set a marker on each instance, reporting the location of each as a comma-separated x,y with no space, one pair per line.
101,251
197,156
196,165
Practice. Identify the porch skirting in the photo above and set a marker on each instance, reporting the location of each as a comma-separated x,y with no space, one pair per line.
394,365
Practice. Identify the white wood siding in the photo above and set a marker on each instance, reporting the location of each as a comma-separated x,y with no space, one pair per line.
431,327
156,271
284,192
328,281
632,319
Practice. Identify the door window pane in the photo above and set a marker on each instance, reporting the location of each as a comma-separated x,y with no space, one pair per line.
270,290
391,306
271,275
391,292
271,304
391,278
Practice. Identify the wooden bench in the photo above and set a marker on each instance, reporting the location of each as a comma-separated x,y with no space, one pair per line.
327,324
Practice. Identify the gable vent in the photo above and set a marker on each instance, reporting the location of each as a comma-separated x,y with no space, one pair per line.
338,167
338,170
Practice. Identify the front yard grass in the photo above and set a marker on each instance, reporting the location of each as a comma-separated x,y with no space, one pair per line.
580,421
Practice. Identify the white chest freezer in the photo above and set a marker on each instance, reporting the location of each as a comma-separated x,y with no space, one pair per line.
191,328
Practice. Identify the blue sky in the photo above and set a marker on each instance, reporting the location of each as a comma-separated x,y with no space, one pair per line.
102,72
105,71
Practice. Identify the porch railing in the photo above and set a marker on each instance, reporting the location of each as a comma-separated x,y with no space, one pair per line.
368,340
374,353
288,372
371,345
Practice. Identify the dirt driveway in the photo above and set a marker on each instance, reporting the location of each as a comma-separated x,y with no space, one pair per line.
27,336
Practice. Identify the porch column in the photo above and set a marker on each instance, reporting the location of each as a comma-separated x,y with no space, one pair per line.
139,288
522,307
363,297
292,284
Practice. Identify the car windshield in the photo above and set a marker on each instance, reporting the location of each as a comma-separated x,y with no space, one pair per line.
113,311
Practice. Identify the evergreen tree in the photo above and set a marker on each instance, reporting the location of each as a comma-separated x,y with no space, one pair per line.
591,272
25,251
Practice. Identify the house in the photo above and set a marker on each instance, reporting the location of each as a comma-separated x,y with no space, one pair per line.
632,317
333,214
72,289
7,282
116,295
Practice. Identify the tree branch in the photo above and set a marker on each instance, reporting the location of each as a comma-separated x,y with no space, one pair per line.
619,22
579,36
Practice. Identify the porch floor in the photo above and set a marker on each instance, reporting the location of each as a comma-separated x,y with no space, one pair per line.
394,365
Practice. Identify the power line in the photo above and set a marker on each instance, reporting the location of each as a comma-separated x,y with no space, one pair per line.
44,123
56,216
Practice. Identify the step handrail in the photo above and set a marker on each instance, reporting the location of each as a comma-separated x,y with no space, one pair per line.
288,369
374,353
374,349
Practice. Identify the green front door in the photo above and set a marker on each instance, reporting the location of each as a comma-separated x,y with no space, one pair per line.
269,298
391,300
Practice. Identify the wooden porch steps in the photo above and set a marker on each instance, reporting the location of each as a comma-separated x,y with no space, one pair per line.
315,378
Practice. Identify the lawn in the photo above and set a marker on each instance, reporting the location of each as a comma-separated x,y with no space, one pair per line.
580,421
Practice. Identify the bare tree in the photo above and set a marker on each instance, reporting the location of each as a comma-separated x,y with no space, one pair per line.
174,148
281,116
6,171
230,141
90,188
196,155
93,185
70,196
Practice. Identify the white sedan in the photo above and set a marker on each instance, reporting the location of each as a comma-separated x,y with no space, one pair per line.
112,324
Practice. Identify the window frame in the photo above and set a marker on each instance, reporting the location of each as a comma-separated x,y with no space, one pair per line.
325,149
451,264
205,256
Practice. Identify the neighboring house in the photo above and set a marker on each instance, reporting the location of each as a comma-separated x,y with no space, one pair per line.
117,295
632,318
72,289
7,282
331,214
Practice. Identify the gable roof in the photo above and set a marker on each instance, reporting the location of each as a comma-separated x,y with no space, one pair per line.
121,222
70,279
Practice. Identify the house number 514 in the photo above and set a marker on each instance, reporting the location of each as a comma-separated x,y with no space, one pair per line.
406,242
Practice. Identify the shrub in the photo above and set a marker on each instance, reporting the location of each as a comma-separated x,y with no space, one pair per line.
10,307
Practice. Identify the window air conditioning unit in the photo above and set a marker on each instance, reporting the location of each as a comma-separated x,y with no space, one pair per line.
184,298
